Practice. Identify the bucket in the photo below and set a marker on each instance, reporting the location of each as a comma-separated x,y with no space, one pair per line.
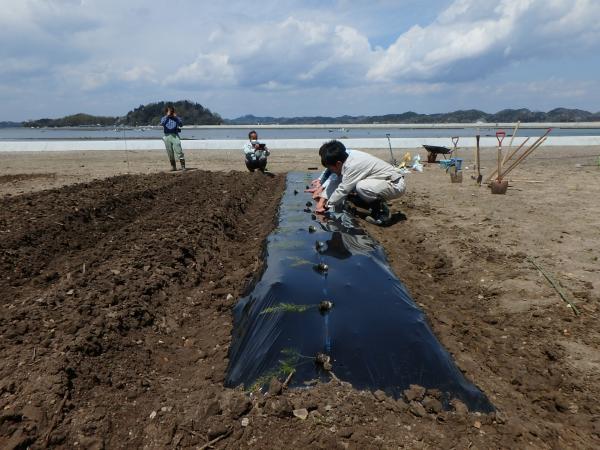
499,187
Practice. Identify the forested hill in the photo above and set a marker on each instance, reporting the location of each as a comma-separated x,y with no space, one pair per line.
190,113
463,116
144,115
10,124
196,114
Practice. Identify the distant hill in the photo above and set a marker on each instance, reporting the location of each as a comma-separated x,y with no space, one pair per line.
75,120
190,113
144,115
10,124
196,114
461,116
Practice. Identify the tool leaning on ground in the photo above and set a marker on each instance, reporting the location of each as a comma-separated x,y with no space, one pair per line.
393,161
478,160
499,186
456,175
503,173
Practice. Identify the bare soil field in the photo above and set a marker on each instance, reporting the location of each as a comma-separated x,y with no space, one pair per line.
116,297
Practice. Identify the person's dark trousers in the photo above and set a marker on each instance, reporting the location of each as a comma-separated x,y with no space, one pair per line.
253,163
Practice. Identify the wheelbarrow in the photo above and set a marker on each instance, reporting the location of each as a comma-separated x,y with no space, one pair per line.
434,150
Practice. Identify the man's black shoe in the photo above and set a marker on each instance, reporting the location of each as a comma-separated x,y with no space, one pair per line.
380,214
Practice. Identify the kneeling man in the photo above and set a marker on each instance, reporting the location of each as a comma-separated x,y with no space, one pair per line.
256,153
374,180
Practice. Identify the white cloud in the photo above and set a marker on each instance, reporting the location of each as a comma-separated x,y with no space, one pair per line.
208,69
474,37
139,73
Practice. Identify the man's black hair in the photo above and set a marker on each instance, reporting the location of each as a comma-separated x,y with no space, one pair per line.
250,134
332,152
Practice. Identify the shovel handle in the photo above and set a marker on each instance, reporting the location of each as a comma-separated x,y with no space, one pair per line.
500,135
455,140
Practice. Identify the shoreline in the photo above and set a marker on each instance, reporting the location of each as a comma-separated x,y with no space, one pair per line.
572,125
275,144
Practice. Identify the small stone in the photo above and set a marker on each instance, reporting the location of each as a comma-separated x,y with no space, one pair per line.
275,387
245,422
414,392
432,405
280,407
212,409
477,424
346,432
417,409
435,393
401,405
561,403
301,414
379,395
239,405
218,430
152,415
229,297
70,292
460,408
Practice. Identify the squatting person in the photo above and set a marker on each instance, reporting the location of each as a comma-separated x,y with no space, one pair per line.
171,127
256,153
374,180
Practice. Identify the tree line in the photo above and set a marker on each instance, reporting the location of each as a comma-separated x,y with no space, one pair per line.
144,115
461,116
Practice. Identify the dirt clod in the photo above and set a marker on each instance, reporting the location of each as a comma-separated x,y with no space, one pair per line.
414,392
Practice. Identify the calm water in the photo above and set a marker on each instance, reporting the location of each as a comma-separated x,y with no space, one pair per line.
20,134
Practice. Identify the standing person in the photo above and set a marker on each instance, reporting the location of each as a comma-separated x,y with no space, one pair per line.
171,127
373,179
256,153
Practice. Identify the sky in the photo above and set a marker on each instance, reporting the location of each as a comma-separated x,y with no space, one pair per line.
297,58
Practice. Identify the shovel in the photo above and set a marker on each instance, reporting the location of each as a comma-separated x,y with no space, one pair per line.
393,161
455,173
499,186
479,176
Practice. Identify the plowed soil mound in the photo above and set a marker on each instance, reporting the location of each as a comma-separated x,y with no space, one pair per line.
115,317
115,302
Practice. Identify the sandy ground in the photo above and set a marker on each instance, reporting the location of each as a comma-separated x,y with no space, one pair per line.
464,254
30,171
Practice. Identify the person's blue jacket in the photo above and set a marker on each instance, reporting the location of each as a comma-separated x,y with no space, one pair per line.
171,124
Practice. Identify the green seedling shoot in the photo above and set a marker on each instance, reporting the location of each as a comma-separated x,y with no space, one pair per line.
287,307
292,359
